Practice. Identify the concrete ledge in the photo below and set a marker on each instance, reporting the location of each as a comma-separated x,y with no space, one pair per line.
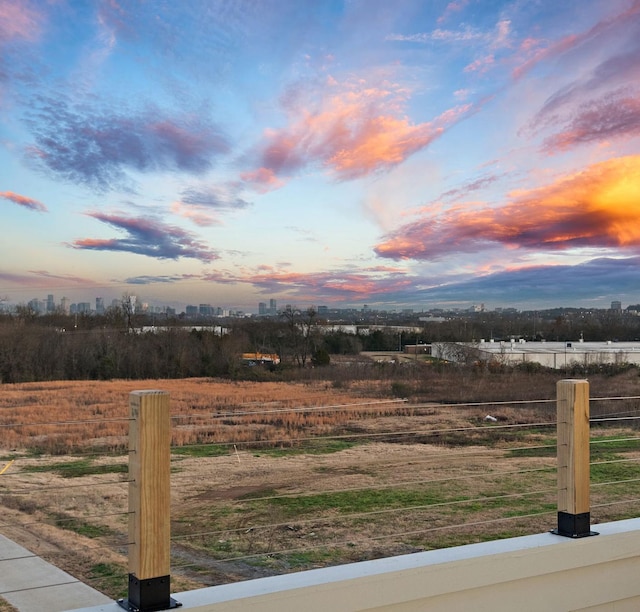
528,574
32,585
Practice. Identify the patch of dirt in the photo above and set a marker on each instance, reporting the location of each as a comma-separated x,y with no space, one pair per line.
390,493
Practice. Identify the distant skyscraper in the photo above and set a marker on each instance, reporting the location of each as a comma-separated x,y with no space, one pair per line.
51,305
262,308
37,306
273,307
64,305
99,305
616,305
205,310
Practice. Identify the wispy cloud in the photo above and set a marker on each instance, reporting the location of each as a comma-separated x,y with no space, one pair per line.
612,116
465,35
494,39
198,35
95,146
350,129
19,19
616,72
535,52
469,187
532,285
481,64
45,279
149,237
24,201
218,197
204,205
333,286
451,9
262,180
152,280
593,208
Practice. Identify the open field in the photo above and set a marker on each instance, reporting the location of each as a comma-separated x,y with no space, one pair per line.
273,477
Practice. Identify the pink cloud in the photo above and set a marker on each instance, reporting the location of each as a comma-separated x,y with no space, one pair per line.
262,180
197,214
608,118
332,286
44,279
503,30
21,200
593,208
351,130
453,7
534,54
481,64
19,19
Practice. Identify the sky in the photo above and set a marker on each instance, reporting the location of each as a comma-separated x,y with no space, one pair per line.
406,154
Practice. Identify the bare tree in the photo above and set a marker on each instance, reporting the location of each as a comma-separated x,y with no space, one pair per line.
128,305
301,333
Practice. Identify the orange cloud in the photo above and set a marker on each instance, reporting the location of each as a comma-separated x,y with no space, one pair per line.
21,200
598,207
353,131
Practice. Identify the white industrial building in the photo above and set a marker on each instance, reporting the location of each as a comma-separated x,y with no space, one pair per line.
548,354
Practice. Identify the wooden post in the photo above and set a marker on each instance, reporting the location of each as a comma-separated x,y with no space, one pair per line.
573,459
149,503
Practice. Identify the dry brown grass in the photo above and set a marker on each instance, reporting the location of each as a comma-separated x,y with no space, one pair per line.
43,414
405,481
5,606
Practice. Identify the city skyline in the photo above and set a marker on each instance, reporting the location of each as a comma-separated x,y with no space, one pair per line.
404,155
98,306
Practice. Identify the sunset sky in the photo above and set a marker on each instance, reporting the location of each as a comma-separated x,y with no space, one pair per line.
399,154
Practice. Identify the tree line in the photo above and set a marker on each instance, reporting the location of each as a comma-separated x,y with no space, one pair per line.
62,347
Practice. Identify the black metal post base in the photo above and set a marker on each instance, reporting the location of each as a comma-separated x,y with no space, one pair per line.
574,525
148,595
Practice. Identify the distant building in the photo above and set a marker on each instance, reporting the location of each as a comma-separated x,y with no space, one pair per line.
260,358
555,355
262,308
37,306
273,307
51,305
99,305
132,303
205,310
616,305
191,311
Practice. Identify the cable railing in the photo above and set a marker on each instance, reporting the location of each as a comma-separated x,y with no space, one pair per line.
432,485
